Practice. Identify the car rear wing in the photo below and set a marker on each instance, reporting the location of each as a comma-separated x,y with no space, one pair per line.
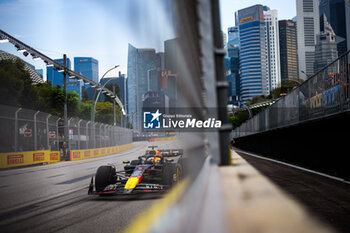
170,152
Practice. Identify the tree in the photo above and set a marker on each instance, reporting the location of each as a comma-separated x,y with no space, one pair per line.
84,110
18,90
258,99
85,96
72,103
239,118
104,113
16,87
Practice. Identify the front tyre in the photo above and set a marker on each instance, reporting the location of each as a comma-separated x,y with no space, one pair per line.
105,176
172,173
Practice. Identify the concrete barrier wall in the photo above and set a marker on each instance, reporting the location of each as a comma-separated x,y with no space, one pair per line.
16,159
318,145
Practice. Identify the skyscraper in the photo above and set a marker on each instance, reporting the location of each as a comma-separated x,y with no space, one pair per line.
87,66
55,77
347,19
233,33
288,49
307,29
122,82
140,62
273,71
75,85
171,80
171,50
232,66
326,46
252,52
335,12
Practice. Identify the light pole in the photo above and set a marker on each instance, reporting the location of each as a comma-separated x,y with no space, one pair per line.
98,95
65,143
94,105
307,75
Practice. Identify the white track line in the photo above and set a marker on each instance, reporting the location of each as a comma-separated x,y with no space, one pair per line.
294,166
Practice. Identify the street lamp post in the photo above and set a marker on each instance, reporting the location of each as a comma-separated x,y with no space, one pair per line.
307,75
98,95
65,106
94,105
114,116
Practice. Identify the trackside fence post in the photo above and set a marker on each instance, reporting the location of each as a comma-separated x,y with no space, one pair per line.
16,129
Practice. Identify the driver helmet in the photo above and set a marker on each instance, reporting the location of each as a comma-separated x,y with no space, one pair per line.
154,159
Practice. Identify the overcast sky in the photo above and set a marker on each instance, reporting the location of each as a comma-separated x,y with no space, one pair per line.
102,29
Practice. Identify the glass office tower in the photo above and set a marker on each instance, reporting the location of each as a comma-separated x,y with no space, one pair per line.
252,52
87,66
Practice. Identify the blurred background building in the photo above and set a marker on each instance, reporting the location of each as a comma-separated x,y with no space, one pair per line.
326,49
55,77
307,29
273,71
252,52
232,65
288,49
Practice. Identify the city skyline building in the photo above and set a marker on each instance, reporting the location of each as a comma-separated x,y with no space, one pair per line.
156,100
122,82
87,66
252,52
75,85
273,71
307,29
288,49
232,66
335,12
233,33
171,79
170,89
326,50
140,61
347,20
55,77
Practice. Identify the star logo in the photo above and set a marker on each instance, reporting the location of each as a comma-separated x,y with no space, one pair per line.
152,120
156,115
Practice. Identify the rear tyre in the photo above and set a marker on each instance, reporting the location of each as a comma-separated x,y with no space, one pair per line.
105,176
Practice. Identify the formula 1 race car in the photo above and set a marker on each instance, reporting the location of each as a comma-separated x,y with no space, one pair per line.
155,171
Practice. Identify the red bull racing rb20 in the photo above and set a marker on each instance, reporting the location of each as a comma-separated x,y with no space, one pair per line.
155,171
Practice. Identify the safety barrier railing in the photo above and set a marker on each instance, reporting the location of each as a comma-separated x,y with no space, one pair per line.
324,94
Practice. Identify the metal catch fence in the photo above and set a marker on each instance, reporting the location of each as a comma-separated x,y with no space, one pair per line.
29,130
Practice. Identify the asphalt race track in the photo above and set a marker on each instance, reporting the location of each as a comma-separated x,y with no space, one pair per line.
53,198
326,199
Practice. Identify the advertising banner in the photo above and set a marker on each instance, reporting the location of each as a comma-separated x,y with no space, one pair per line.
97,152
16,159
